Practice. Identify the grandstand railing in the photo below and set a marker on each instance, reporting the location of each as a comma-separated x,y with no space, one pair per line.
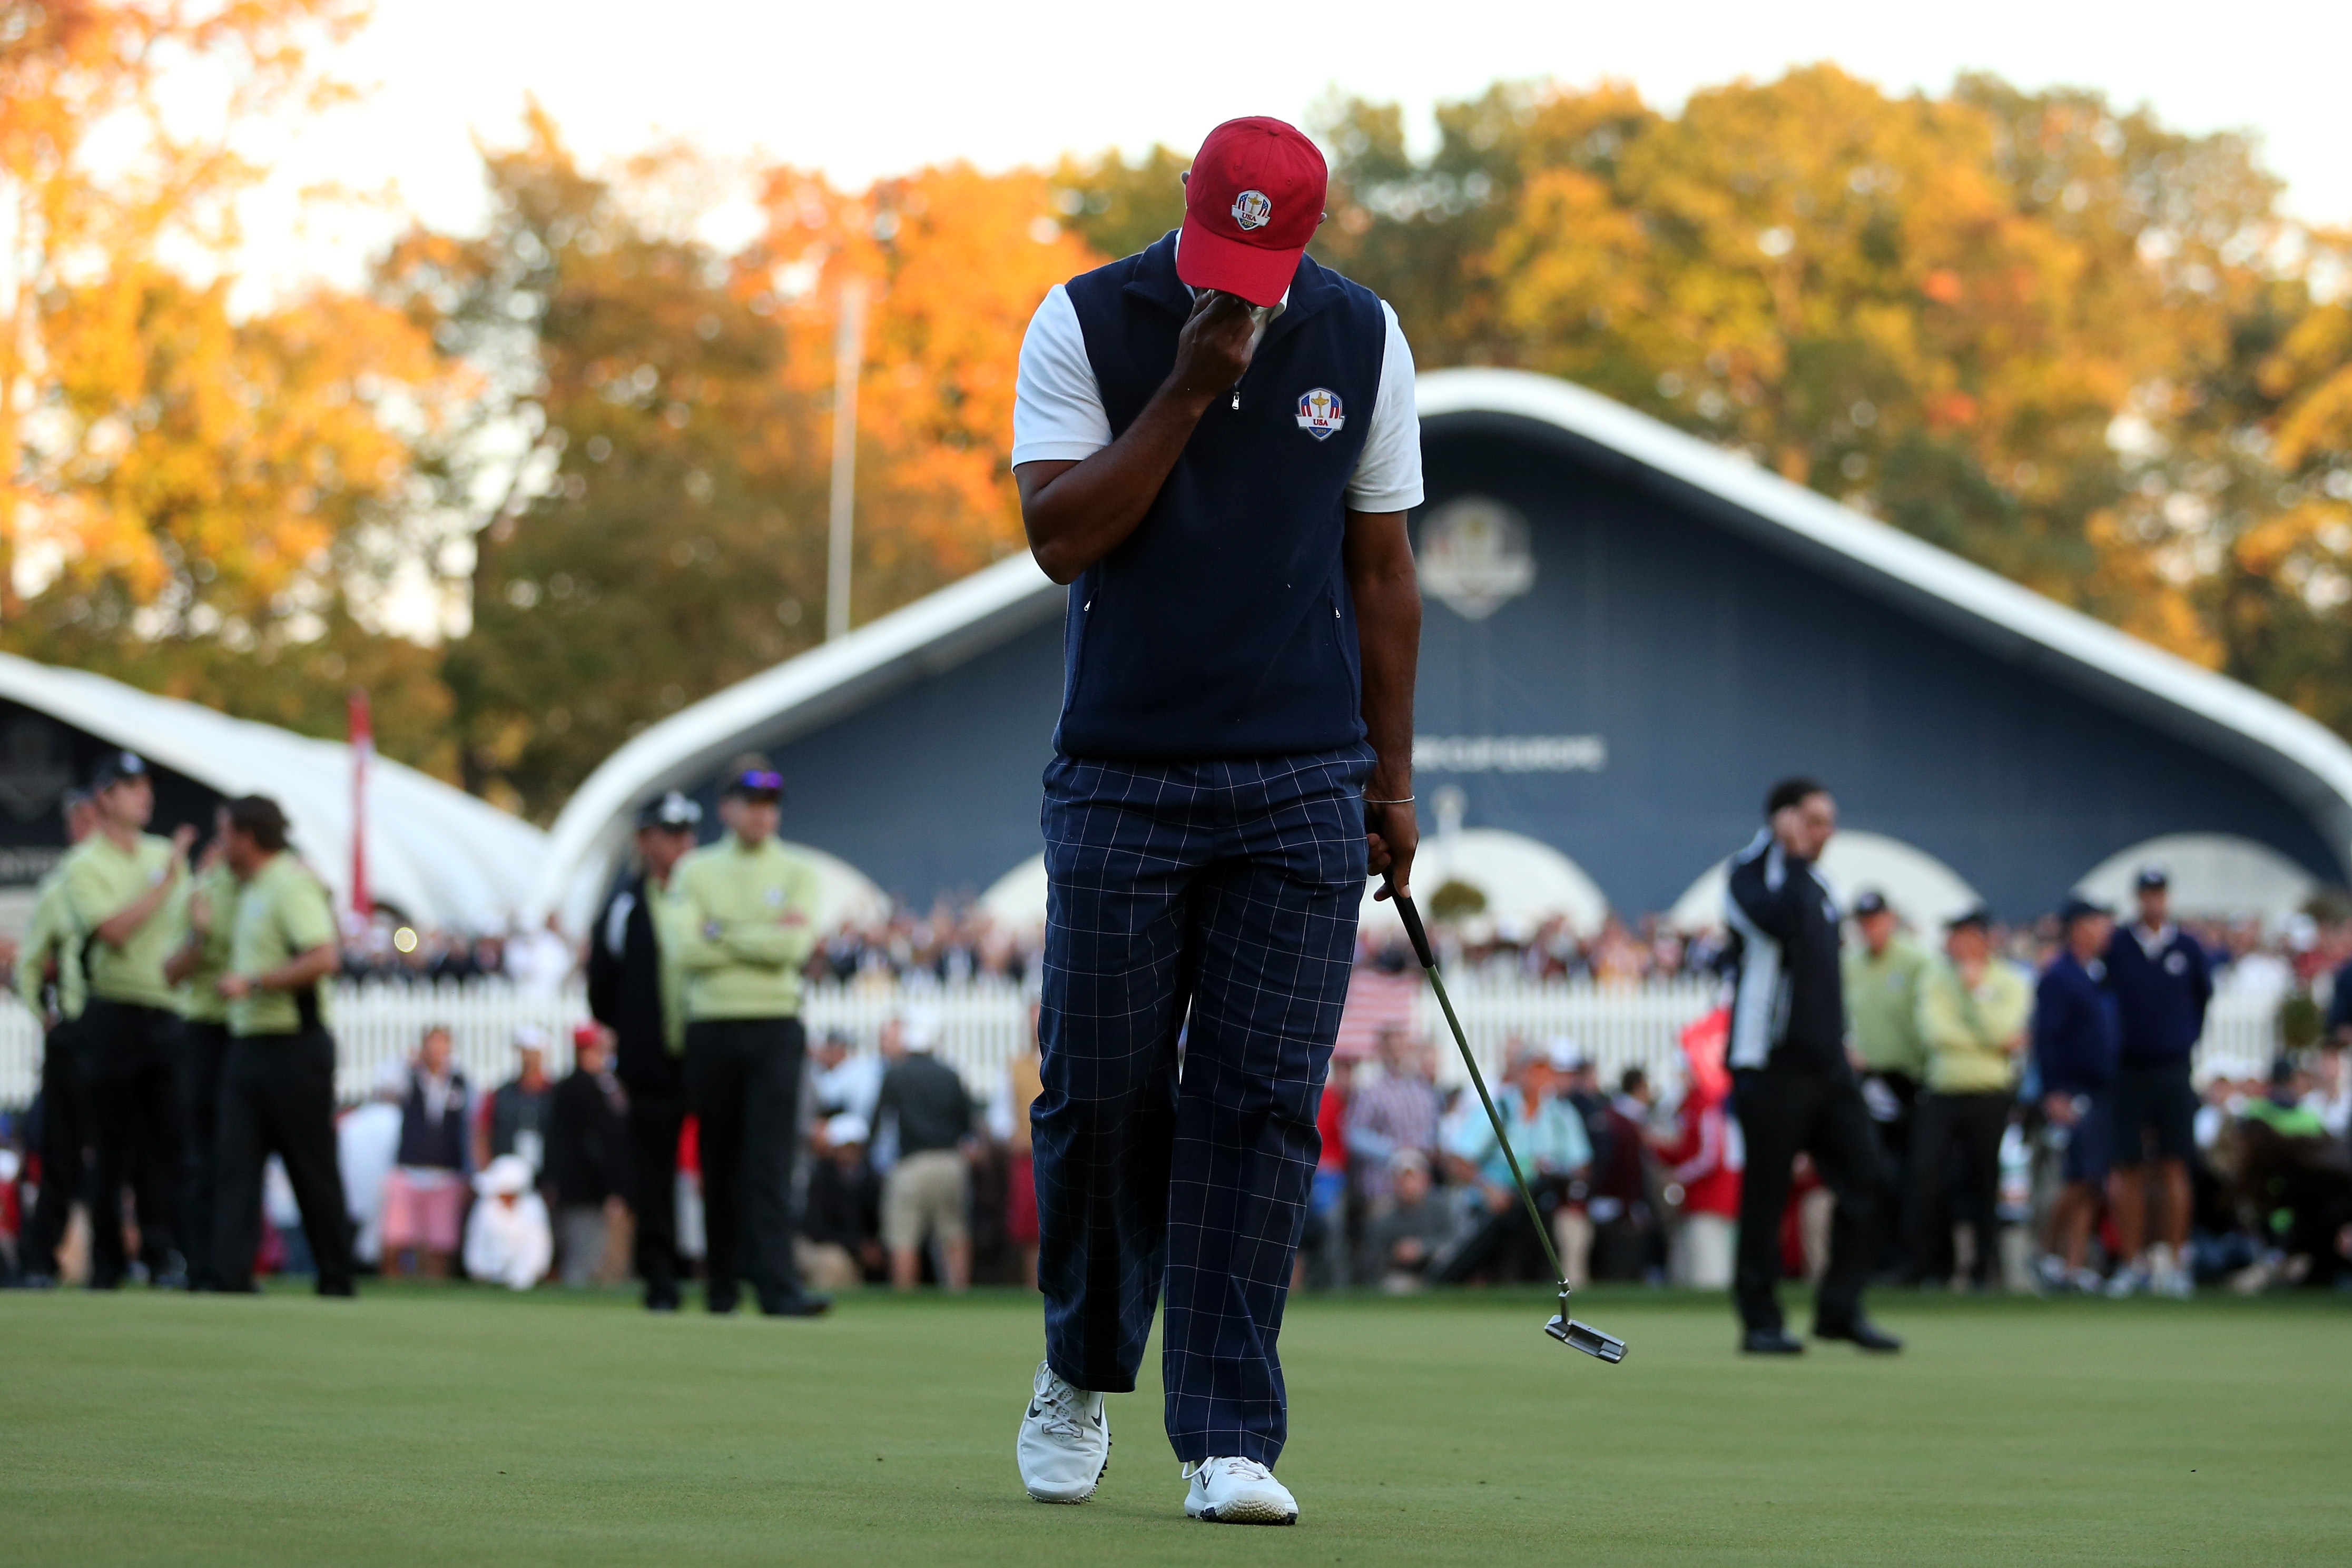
984,1021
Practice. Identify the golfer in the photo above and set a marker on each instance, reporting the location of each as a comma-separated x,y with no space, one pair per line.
1216,445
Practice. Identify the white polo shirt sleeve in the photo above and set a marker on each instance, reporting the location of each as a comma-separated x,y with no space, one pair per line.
1057,409
1388,471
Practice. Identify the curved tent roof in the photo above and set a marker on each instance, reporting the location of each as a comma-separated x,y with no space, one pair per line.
2307,762
439,854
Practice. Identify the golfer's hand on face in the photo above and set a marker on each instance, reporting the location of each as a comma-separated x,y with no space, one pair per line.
1215,348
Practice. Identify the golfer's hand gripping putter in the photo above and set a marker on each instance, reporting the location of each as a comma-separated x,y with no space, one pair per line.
1567,1330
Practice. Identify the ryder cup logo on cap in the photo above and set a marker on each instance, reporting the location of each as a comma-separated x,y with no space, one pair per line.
1319,414
1251,209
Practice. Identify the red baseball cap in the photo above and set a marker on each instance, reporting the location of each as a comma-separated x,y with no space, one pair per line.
1252,202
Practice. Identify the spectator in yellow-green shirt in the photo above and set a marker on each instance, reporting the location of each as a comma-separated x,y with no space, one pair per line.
277,1085
1973,1008
126,887
744,915
1881,976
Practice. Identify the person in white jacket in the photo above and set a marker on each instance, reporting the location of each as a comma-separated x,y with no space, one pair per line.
507,1238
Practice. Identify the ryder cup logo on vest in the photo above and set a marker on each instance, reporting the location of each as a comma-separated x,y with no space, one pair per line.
1252,209
1319,414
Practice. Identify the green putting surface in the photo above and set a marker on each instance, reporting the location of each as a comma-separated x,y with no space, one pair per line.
459,1426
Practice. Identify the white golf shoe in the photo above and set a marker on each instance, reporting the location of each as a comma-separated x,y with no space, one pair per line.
1237,1492
1065,1443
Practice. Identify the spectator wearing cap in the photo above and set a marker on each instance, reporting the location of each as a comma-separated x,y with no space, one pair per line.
841,1220
1409,1229
508,1239
636,990
928,1194
54,987
587,1171
195,968
745,911
1793,1090
846,1079
1216,447
1973,1010
1401,1109
2163,981
1549,1136
2076,1038
126,887
513,1118
277,1083
1882,977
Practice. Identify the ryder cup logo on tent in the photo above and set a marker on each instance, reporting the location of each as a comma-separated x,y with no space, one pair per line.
1319,414
1252,209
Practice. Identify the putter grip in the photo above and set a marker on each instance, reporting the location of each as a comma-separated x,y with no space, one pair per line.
1413,929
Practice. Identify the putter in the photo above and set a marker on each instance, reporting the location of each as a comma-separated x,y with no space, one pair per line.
1601,1346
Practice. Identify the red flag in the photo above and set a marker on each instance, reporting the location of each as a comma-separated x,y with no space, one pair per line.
363,737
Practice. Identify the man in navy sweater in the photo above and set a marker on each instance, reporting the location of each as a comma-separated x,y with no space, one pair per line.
2076,1036
2162,981
1215,446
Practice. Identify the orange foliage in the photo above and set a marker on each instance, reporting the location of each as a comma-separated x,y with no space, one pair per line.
955,262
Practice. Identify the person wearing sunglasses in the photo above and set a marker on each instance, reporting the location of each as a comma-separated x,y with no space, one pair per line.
744,914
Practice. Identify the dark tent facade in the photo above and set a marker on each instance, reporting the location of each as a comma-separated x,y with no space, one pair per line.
1627,635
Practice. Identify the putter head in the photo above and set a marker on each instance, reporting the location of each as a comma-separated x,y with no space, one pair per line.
1601,1346
1585,1337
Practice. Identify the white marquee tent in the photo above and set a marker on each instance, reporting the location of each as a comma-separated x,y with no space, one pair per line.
439,855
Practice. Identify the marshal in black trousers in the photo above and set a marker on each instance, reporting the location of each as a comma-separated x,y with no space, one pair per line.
135,1123
1783,1112
203,1052
655,1117
743,1085
277,1096
1976,1122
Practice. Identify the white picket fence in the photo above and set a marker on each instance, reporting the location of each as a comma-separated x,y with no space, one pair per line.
984,1021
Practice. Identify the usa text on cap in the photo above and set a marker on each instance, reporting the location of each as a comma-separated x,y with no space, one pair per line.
1871,902
2153,876
1252,202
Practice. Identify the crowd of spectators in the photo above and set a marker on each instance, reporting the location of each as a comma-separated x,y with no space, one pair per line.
957,942
908,1177
952,944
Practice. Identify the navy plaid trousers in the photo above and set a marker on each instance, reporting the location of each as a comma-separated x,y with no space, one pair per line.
1216,901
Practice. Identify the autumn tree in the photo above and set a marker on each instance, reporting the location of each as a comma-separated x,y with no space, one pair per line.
954,262
2053,336
1118,205
198,499
639,488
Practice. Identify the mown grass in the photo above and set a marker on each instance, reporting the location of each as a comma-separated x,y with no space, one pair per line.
464,1426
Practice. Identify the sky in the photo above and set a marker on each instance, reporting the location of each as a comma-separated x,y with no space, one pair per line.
864,89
